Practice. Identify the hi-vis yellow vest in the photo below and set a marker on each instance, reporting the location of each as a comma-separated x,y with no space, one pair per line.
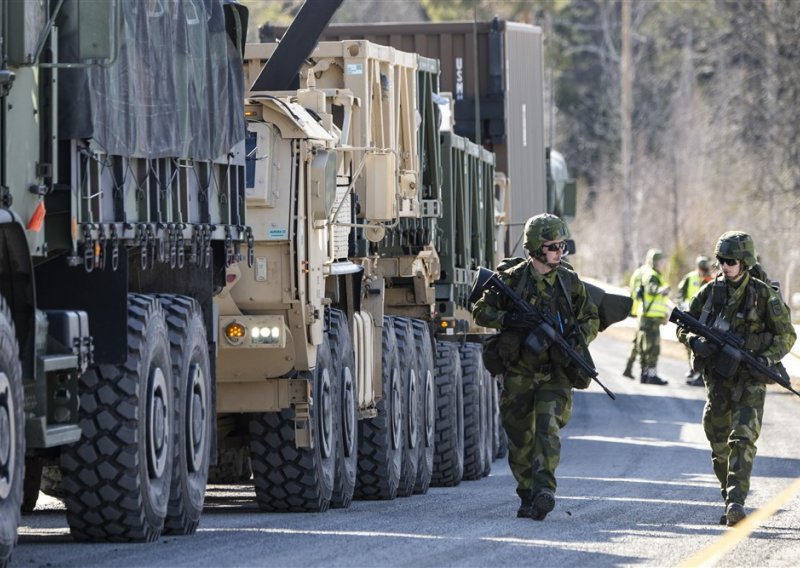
693,284
653,305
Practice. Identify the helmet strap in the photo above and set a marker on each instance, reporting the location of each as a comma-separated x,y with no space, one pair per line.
538,255
541,259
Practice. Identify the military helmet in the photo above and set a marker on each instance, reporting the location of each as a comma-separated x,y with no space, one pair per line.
542,228
702,262
653,256
738,245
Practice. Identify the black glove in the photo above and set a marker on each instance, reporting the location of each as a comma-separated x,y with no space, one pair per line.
702,348
520,320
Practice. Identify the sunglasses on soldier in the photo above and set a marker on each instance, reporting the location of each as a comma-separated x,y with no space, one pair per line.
728,261
560,246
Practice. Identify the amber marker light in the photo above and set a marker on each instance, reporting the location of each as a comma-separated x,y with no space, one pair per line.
235,333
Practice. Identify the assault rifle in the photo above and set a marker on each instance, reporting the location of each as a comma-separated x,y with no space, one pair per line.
546,324
732,350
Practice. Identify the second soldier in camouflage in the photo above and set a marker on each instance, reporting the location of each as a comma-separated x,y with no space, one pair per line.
537,398
739,302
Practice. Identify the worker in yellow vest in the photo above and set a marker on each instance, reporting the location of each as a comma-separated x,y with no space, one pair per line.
688,287
653,314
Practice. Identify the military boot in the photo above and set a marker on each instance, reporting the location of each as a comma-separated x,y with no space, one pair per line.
525,510
628,372
649,377
543,503
695,380
734,513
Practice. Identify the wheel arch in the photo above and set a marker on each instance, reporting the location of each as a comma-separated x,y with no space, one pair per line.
17,285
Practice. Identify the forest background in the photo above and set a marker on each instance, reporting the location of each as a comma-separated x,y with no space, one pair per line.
715,119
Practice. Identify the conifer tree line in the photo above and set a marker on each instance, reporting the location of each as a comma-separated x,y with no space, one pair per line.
715,125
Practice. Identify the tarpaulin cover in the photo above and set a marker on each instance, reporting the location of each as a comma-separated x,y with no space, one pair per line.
174,90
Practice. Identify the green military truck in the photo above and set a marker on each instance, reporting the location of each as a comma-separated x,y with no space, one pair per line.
122,202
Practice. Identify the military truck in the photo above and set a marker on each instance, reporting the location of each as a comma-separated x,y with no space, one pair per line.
122,201
494,71
328,374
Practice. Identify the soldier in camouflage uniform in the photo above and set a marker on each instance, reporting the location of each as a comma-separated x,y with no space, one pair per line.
750,308
537,398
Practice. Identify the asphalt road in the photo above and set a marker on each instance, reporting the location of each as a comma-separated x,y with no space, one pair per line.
635,488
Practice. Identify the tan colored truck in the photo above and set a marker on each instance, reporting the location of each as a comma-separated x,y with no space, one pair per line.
327,370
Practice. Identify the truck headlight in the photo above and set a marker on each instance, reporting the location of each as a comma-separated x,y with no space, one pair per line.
267,336
254,331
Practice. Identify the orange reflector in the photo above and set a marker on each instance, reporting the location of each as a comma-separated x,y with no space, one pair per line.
235,332
37,219
444,324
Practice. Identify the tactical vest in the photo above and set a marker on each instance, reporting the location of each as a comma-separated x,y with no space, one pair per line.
742,319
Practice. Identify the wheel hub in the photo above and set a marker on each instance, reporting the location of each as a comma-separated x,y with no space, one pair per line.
412,410
397,410
325,414
157,423
196,417
348,413
7,438
430,417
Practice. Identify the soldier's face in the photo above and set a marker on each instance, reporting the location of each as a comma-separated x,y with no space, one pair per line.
553,250
731,271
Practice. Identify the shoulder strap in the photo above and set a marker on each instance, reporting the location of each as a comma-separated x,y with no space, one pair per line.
523,280
560,277
705,315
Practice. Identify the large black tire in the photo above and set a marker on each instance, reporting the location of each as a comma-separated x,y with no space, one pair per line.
407,353
292,479
448,457
472,384
380,439
347,450
233,466
12,435
117,477
427,405
194,412
32,483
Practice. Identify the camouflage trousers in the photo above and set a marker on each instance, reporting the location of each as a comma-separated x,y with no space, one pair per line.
649,341
636,347
732,422
534,409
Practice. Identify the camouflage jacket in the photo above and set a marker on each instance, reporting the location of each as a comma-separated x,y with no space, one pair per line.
546,293
753,310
